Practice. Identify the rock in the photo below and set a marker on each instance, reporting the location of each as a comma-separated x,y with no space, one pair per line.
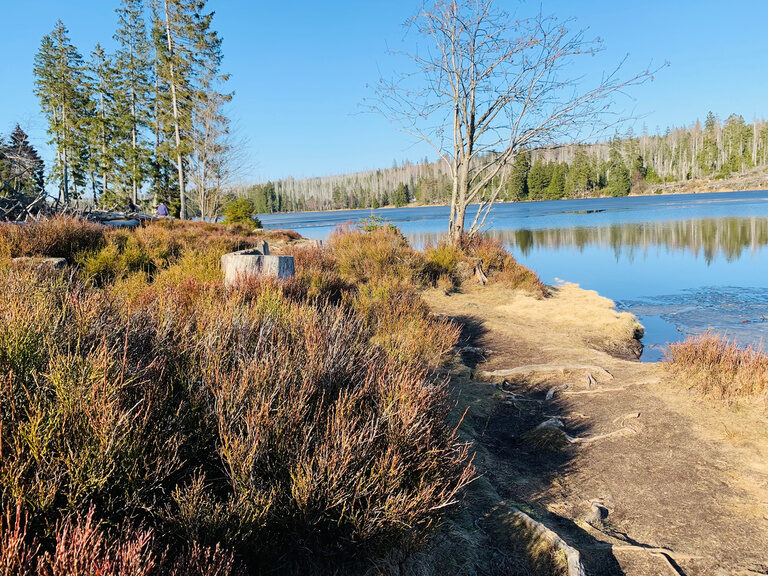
126,223
598,514
245,264
40,263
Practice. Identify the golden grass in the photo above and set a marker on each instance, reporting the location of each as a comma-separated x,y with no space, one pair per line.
583,313
717,367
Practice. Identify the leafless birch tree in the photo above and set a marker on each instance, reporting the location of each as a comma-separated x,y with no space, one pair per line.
489,86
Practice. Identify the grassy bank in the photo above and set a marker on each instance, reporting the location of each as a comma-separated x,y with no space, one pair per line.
152,422
717,367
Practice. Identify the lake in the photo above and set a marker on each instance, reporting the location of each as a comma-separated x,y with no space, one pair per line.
683,264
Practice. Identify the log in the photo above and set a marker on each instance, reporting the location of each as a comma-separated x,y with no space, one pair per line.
255,262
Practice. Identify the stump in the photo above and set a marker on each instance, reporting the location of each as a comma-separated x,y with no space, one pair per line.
255,262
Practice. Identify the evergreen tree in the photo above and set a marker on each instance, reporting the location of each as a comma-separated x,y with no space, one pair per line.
538,179
102,125
619,182
22,171
401,196
709,150
61,86
556,187
133,96
517,186
581,178
188,64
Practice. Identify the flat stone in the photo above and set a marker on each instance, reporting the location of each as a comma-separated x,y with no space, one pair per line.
39,262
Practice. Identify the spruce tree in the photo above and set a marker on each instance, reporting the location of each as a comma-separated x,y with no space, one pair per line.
103,126
189,64
22,171
517,187
133,97
619,180
61,86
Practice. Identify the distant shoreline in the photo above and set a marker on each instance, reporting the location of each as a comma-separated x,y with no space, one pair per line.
672,189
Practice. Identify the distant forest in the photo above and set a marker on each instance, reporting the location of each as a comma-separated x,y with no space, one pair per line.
626,164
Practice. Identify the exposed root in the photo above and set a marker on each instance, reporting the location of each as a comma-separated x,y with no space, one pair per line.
670,557
597,391
554,390
557,424
547,371
572,556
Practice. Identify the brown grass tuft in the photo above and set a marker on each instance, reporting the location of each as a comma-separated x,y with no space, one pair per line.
715,366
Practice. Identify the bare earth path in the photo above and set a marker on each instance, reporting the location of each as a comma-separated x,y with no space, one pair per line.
640,477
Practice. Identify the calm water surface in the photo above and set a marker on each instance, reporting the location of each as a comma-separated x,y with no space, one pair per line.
683,264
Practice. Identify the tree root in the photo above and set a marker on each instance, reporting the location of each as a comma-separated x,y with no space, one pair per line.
670,557
557,424
554,390
572,556
543,371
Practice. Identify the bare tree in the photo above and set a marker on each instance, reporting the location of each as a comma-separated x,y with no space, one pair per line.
490,86
217,159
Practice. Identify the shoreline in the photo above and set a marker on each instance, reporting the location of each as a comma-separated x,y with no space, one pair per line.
589,444
698,187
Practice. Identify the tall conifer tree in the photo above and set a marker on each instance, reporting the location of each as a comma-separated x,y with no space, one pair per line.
132,60
61,86
189,65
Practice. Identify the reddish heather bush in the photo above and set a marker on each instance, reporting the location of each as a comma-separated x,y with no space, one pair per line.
82,548
718,367
18,555
60,237
317,276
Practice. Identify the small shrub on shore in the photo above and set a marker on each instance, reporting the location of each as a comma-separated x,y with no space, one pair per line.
718,367
454,264
381,252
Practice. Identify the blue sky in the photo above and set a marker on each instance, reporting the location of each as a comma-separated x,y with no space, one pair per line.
301,69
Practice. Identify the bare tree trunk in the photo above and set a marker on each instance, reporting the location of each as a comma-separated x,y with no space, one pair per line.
65,163
177,132
134,120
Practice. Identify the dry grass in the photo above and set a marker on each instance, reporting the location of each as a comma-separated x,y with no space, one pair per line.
449,266
717,367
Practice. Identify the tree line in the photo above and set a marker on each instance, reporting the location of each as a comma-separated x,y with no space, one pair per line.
625,164
145,123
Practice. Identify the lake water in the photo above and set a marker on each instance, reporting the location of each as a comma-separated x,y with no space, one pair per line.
683,264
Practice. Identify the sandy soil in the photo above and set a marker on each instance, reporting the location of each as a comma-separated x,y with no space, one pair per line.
639,475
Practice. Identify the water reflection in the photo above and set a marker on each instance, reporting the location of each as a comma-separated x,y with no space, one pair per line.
709,238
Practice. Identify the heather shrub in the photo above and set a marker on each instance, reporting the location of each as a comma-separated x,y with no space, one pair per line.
292,434
60,237
382,252
715,366
442,260
317,277
490,250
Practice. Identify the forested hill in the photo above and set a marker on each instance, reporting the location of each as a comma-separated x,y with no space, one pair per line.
628,164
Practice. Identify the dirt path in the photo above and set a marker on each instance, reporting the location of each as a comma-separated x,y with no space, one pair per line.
640,478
